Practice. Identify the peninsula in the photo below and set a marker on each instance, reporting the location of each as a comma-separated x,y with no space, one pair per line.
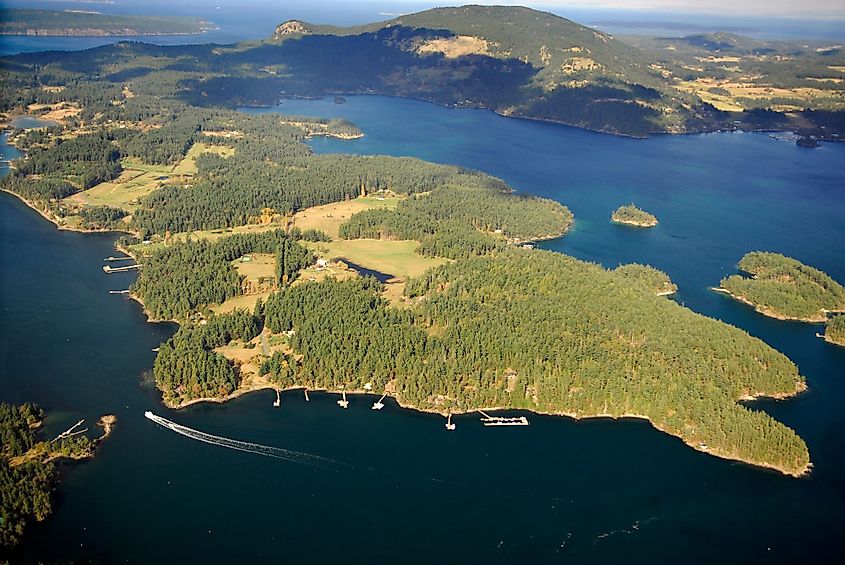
15,21
261,250
633,216
784,288
27,472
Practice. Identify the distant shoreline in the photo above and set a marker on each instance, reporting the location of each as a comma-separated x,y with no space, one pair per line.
97,33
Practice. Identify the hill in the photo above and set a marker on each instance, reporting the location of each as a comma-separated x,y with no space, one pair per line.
549,67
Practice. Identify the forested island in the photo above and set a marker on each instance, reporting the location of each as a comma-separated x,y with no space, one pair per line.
633,216
16,21
256,247
835,330
27,472
784,288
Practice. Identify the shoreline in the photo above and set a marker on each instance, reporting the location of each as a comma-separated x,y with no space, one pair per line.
830,340
653,135
634,223
768,313
95,32
800,388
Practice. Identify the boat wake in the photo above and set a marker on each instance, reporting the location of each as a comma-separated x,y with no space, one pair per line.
247,447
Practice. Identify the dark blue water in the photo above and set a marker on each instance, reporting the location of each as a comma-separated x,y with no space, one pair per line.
399,486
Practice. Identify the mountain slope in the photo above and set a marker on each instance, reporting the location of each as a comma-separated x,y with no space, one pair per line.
514,60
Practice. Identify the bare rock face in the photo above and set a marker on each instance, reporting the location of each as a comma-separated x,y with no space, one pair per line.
289,28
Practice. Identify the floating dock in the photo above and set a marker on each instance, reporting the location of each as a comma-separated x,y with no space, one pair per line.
378,405
489,420
343,403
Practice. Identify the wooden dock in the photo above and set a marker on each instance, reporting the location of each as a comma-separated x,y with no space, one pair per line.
109,269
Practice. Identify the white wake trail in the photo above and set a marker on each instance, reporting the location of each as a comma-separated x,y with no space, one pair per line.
245,446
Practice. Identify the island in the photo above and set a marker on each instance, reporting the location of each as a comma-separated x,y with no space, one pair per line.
27,472
17,21
654,279
633,216
289,269
835,330
784,288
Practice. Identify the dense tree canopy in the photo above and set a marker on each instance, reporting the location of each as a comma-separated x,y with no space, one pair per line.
784,287
177,279
542,331
654,279
835,329
25,488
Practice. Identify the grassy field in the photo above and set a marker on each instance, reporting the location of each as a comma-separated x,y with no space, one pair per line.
397,258
737,90
123,192
188,165
328,218
240,303
139,179
259,265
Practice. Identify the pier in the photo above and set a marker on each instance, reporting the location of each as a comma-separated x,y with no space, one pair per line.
449,425
343,403
306,396
489,420
69,432
107,259
378,405
110,269
278,401
119,291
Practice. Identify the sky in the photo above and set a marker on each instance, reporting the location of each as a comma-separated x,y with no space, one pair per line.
801,8
760,8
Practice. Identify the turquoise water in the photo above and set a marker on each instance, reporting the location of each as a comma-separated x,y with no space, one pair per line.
398,486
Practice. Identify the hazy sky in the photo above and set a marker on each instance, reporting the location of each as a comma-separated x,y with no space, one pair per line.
806,8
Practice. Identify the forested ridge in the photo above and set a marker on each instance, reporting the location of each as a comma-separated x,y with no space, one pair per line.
784,287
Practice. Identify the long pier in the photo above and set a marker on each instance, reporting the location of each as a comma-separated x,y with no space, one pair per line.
110,269
489,420
107,259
